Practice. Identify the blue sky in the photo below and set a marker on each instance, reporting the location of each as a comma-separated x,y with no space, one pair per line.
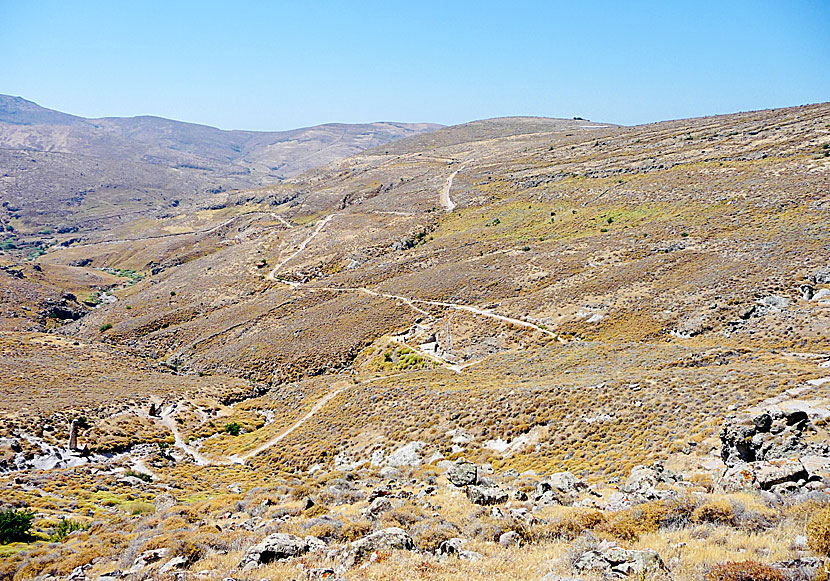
279,65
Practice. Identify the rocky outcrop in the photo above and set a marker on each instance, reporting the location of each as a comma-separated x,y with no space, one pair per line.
764,451
557,487
766,436
408,455
382,540
611,559
486,494
643,483
275,547
377,507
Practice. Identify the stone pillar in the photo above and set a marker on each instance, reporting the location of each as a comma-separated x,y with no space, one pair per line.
73,435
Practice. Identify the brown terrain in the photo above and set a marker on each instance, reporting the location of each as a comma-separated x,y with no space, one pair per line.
349,367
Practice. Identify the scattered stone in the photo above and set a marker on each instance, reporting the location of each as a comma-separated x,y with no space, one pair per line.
148,558
610,558
315,544
179,562
821,276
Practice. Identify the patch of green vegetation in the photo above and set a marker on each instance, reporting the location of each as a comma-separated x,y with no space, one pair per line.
64,528
105,327
138,507
15,525
139,475
233,428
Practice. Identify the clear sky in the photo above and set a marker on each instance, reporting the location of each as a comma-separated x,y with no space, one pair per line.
279,65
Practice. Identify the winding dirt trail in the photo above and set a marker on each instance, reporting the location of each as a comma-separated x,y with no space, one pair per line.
282,220
168,420
320,225
446,201
456,306
236,459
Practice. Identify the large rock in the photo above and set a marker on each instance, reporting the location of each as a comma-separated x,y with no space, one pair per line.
643,481
275,547
463,473
382,540
486,495
738,478
612,559
821,276
780,471
765,436
377,506
408,455
452,546
566,483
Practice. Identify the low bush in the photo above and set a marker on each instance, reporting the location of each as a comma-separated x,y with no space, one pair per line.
818,531
139,475
15,525
718,512
745,571
352,531
64,527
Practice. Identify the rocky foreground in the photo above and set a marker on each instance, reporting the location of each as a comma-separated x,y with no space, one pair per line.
761,507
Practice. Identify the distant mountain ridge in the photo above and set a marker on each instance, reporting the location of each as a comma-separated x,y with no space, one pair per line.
154,161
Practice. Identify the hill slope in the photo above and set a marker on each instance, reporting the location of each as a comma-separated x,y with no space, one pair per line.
632,305
60,170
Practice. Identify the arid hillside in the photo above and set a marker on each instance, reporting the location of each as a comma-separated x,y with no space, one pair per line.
66,176
384,346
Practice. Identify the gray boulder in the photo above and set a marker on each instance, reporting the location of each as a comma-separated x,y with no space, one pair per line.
382,540
275,547
462,473
509,539
610,558
780,471
738,478
451,546
766,436
821,276
408,455
486,495
378,506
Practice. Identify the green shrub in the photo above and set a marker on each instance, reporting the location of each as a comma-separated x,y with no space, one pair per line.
105,327
233,428
64,527
139,475
15,525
